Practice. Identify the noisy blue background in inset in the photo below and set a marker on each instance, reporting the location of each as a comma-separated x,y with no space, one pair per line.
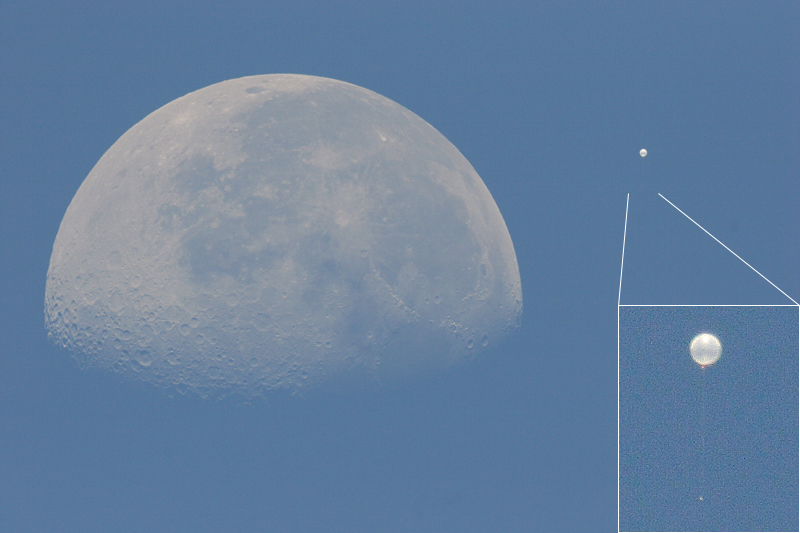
736,445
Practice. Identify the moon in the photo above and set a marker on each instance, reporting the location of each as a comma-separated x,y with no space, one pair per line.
278,232
705,349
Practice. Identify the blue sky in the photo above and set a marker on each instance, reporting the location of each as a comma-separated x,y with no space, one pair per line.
550,102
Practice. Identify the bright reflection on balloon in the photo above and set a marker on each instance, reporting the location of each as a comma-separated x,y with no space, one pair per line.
705,349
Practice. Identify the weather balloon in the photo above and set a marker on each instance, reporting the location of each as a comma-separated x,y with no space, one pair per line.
705,349
642,152
278,231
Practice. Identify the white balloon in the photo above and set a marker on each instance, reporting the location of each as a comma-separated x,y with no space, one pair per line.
705,349
642,152
280,230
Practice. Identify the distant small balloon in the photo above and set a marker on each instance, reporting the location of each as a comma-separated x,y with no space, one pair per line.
705,349
642,152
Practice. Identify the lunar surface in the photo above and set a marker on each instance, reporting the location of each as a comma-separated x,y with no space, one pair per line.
705,349
280,231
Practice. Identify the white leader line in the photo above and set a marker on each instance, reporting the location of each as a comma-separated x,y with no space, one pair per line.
731,251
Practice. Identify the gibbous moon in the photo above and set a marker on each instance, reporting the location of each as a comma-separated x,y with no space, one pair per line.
280,231
705,349
642,152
